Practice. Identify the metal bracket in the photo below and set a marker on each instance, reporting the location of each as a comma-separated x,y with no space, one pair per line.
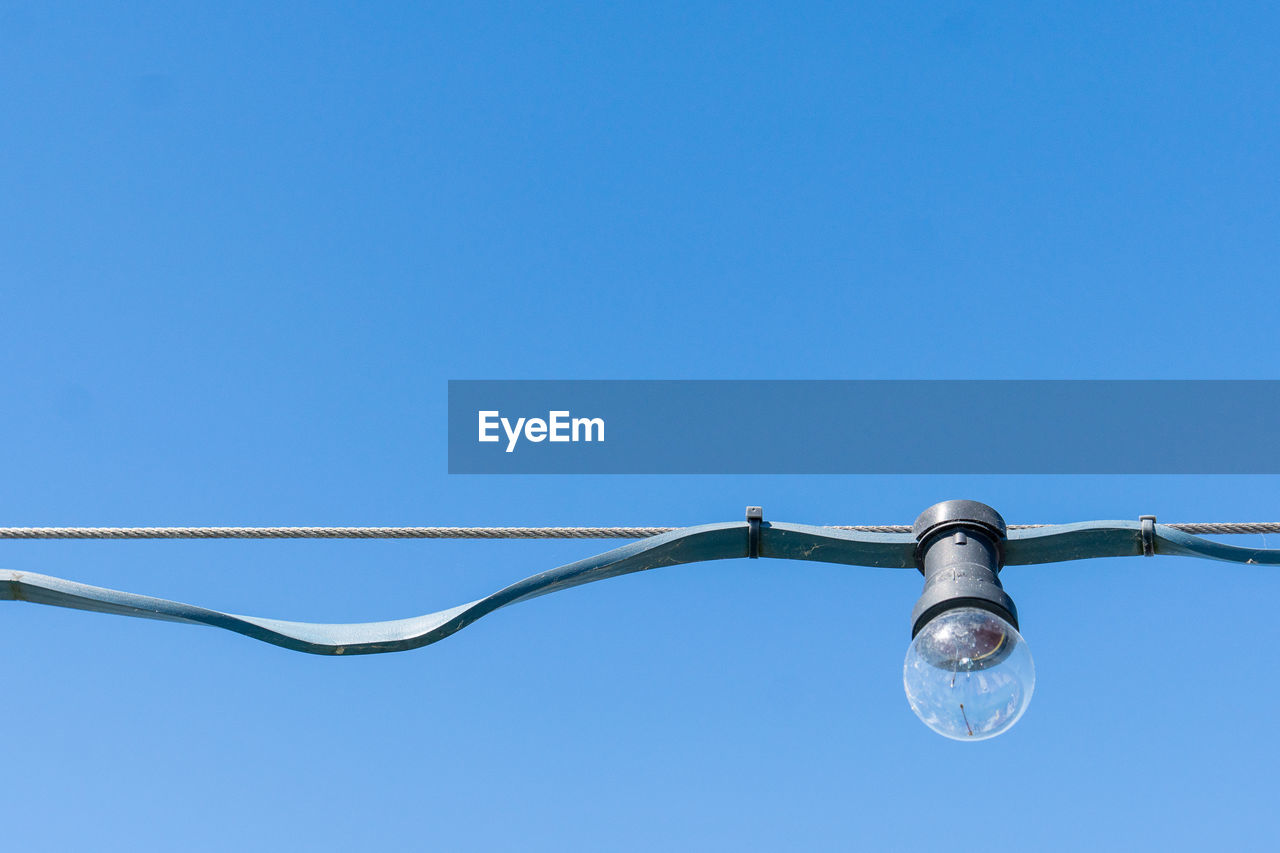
755,515
1148,535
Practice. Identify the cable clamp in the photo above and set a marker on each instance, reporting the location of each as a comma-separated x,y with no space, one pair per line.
755,516
1148,535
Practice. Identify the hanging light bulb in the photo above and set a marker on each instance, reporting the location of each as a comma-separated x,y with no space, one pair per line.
968,673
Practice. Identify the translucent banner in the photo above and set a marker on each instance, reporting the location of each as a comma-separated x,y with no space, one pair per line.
864,427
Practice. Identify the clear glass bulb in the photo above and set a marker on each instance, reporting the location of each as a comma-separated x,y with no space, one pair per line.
969,674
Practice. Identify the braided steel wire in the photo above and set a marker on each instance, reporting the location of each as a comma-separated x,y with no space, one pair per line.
1220,528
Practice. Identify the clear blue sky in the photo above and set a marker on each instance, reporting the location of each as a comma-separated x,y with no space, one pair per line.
242,250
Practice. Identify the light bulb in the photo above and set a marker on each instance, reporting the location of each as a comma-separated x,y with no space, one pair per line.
969,674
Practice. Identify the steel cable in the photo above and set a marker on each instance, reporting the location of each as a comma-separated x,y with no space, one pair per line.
1221,528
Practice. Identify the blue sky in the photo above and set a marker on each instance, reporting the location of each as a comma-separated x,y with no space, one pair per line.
243,249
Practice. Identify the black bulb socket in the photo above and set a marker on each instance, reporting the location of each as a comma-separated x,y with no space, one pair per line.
960,551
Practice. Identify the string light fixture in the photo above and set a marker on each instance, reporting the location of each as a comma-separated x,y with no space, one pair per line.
968,673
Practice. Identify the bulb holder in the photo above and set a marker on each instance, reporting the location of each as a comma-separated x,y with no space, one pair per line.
960,551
